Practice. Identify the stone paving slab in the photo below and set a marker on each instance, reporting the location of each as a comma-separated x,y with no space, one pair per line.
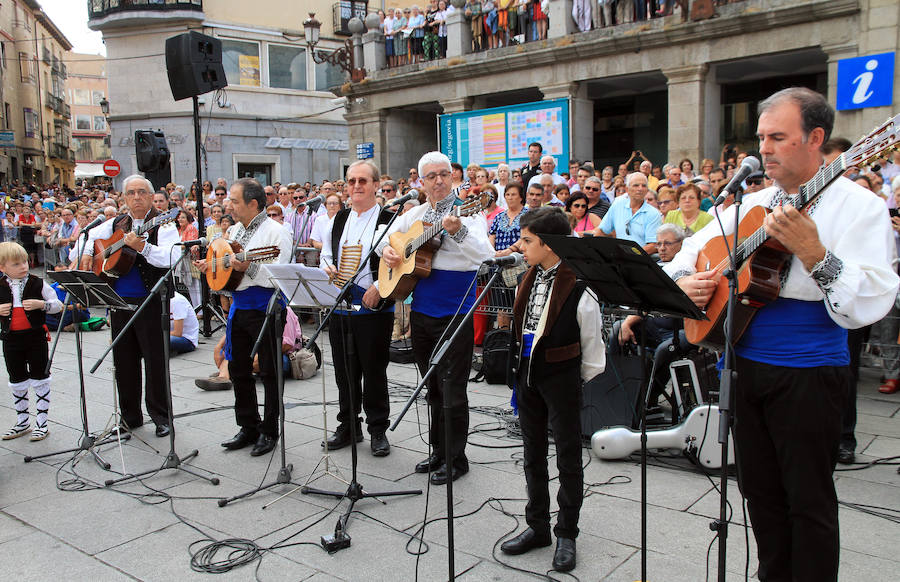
104,535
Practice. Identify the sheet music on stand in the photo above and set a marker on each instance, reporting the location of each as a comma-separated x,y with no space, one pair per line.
303,286
89,289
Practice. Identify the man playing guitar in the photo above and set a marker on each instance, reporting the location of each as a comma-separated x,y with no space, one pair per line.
144,340
464,246
346,243
792,360
250,300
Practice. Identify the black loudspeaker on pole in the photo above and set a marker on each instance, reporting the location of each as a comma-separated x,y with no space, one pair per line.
194,64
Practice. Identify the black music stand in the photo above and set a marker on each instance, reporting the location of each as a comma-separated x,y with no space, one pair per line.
627,279
172,460
305,287
90,291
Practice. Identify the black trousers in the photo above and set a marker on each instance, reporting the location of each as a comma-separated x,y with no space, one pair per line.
245,329
449,381
855,338
26,354
368,341
556,400
143,342
786,433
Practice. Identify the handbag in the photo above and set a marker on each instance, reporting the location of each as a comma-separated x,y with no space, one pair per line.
303,364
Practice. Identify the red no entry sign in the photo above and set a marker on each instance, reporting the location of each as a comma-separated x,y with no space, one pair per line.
111,168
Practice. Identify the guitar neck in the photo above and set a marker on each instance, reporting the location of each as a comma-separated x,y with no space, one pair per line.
808,192
430,232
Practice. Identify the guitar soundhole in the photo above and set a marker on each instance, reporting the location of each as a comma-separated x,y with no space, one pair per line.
408,251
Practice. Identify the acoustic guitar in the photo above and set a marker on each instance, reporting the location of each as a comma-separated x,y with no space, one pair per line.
220,274
113,258
416,248
760,260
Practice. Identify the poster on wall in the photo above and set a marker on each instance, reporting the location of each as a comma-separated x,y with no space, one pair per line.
488,137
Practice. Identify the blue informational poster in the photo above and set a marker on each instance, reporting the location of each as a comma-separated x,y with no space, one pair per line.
865,81
488,137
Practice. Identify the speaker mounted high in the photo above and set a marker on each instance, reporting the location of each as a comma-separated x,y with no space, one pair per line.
194,64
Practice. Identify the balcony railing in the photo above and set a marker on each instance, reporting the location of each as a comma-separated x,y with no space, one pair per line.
54,102
101,8
66,111
47,55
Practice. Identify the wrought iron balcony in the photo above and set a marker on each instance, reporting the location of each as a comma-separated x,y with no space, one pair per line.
123,13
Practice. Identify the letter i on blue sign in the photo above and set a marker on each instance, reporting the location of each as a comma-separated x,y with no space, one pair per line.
866,81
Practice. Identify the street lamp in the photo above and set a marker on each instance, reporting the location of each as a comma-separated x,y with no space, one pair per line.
342,57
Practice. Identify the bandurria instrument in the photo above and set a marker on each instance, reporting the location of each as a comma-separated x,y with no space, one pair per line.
761,260
416,247
220,274
113,258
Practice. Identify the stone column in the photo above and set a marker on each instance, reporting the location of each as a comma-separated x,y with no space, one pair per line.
687,111
459,35
457,104
561,21
581,118
374,58
369,126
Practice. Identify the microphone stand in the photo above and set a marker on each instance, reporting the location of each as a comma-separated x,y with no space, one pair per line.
432,367
340,539
172,460
284,473
727,383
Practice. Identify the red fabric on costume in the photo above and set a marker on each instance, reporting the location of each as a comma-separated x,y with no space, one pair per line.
19,320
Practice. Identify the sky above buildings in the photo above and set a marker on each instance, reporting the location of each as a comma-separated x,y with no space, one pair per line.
70,16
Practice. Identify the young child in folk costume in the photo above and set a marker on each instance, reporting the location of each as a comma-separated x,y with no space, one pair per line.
24,301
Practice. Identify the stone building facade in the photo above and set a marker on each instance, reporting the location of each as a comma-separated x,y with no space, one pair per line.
275,121
35,140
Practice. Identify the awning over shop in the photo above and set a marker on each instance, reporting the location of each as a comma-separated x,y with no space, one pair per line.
85,170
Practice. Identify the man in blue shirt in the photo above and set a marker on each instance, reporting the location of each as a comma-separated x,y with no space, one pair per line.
630,217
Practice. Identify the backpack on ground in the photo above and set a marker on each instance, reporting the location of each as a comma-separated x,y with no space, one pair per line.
494,356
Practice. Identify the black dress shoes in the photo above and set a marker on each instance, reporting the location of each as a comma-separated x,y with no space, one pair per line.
342,438
440,476
380,445
846,456
430,464
264,444
525,542
243,438
564,557
162,430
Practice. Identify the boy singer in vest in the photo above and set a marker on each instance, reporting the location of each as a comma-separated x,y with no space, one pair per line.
557,346
144,339
24,300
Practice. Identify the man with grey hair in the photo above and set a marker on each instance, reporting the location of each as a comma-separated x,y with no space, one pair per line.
361,337
455,264
631,217
548,166
143,341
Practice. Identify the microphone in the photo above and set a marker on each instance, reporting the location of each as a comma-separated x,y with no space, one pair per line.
513,260
190,243
748,166
403,199
317,200
96,222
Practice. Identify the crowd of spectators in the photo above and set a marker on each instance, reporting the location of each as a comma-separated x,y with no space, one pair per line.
419,33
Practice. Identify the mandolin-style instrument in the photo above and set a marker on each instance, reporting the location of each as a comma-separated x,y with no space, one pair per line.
220,274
